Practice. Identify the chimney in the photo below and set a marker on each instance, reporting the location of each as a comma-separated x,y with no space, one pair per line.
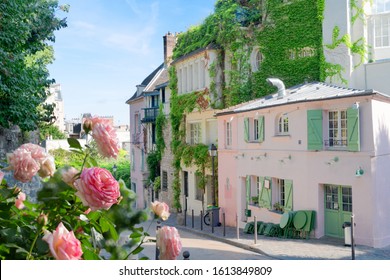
169,44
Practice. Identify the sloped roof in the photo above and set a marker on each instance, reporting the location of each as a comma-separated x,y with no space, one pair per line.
147,81
301,93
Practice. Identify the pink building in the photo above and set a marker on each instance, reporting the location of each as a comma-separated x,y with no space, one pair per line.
311,147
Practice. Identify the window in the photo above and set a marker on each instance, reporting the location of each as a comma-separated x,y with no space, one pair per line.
164,180
346,199
300,53
256,59
342,126
153,133
228,134
254,129
337,129
338,198
382,31
381,6
283,200
163,95
283,125
195,137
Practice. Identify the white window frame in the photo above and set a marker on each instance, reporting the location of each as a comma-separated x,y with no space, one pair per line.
256,59
195,133
381,30
283,125
384,6
337,132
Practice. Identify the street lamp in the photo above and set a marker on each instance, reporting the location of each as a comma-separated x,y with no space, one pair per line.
114,168
213,154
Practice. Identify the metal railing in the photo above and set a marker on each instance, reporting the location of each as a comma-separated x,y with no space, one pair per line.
150,114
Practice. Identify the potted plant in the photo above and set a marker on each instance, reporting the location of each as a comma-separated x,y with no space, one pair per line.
278,207
255,200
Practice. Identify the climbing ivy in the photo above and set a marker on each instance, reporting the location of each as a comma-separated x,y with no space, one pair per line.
184,153
277,28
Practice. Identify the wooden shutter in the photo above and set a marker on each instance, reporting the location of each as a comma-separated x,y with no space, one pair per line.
353,130
260,127
288,195
246,129
314,130
265,194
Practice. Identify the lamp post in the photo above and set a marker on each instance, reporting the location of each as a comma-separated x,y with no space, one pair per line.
213,154
214,211
114,168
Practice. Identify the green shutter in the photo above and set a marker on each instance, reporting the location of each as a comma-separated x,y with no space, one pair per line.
353,130
314,130
260,128
246,129
248,190
265,194
288,195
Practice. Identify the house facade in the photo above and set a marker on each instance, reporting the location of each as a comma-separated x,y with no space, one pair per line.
144,109
315,147
194,77
55,97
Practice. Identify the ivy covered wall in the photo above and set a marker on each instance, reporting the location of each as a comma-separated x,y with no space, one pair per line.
287,33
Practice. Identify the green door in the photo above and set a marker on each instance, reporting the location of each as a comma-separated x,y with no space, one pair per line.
338,209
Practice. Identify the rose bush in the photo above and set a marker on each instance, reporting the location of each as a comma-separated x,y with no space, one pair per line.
79,213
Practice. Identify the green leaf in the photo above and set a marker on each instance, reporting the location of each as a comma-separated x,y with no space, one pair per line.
74,143
104,224
137,250
113,232
88,254
135,235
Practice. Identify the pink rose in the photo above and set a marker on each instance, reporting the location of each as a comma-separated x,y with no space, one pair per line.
28,160
69,176
19,200
97,188
161,209
1,176
105,136
63,244
168,243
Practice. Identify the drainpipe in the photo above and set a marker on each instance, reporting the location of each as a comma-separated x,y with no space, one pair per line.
279,84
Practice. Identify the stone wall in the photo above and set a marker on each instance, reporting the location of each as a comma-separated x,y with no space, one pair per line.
10,140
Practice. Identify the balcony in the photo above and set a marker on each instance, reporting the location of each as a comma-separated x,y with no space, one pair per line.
150,115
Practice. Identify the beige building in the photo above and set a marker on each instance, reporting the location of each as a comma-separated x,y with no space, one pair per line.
55,98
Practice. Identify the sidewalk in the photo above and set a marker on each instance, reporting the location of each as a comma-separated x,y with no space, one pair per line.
283,249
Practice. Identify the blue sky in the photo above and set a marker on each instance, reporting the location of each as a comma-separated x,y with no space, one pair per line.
110,46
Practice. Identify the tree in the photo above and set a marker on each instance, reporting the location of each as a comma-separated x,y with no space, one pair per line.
26,29
49,129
